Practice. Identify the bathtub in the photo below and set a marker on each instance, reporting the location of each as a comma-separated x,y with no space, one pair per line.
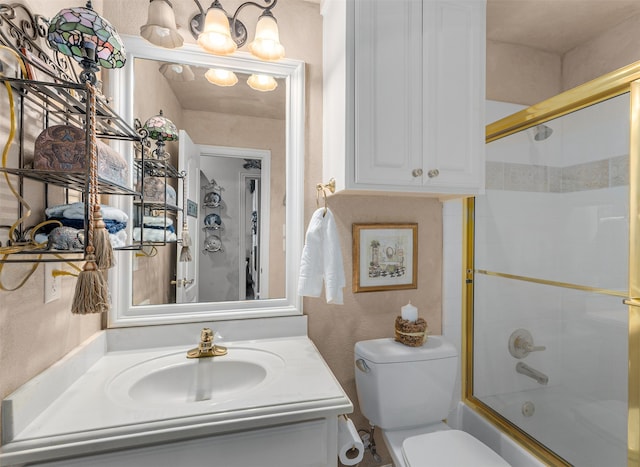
583,431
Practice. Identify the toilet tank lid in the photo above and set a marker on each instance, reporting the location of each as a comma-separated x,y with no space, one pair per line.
387,350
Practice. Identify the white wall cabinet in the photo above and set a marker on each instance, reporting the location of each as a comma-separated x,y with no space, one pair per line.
404,92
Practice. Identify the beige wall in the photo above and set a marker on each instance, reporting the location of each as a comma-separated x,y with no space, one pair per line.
33,335
611,50
153,275
523,75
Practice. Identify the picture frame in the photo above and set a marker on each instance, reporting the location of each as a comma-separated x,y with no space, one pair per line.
192,208
385,257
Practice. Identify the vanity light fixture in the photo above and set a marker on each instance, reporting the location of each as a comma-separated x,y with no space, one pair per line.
160,28
221,34
221,77
177,72
160,129
262,82
89,39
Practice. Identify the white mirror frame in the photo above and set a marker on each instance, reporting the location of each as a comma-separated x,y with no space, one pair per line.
120,86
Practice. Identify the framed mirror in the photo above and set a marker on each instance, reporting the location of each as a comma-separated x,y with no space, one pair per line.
248,267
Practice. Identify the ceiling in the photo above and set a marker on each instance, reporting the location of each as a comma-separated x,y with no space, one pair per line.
240,99
555,26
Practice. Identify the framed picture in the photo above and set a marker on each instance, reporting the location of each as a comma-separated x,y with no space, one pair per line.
192,208
385,257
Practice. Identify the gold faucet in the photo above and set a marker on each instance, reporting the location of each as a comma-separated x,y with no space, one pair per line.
207,348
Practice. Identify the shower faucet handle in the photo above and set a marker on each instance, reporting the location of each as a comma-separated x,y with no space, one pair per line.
521,344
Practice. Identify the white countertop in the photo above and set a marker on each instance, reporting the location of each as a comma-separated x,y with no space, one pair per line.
87,418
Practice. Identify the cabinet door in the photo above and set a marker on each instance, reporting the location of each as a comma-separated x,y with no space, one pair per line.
387,92
454,95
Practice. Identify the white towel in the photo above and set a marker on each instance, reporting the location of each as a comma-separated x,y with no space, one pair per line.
76,211
154,235
322,259
118,239
157,221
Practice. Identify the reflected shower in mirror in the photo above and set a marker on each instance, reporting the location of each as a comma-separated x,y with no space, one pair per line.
237,131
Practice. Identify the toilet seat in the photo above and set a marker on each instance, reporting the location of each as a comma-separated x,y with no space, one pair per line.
449,448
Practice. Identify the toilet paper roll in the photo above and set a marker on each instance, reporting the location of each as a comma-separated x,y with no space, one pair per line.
350,448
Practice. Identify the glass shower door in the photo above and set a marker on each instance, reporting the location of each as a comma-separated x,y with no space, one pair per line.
551,270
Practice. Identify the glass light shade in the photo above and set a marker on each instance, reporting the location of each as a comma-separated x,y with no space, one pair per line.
160,28
216,34
72,30
161,128
221,77
266,44
177,72
262,82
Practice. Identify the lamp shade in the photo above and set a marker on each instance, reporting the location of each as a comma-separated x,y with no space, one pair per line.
177,72
266,44
161,128
160,28
262,82
221,77
216,35
82,34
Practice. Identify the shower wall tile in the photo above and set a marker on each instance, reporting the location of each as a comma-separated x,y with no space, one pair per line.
531,178
521,177
494,176
619,171
555,179
588,176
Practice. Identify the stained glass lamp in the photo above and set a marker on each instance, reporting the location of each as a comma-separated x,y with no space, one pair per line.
160,129
88,38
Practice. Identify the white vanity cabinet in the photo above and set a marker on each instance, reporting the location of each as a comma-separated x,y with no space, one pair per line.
404,92
309,443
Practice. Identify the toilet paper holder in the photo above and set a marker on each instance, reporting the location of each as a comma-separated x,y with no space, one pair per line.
350,446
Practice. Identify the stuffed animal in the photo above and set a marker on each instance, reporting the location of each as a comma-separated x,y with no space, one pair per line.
66,238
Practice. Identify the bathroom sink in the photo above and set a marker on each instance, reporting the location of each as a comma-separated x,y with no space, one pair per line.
174,379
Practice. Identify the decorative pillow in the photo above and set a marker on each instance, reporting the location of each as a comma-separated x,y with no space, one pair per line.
62,148
156,191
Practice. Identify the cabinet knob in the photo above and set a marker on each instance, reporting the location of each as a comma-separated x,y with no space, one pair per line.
433,173
416,172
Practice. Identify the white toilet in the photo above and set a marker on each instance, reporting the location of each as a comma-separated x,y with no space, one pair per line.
406,392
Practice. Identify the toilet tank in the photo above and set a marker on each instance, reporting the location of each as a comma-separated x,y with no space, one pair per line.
402,387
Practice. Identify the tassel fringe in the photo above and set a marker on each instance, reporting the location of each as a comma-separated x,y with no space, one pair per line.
101,242
91,294
185,252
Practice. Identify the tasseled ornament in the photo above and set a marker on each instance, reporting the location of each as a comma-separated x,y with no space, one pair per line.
101,242
185,252
91,294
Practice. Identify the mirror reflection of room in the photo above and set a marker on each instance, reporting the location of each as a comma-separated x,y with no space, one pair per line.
236,242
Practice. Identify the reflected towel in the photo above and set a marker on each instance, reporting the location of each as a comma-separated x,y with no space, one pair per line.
322,259
154,235
157,221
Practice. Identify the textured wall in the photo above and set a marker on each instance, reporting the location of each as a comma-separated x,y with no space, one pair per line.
611,50
521,75
25,320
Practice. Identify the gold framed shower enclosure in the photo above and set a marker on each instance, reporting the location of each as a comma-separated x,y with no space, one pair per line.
622,81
